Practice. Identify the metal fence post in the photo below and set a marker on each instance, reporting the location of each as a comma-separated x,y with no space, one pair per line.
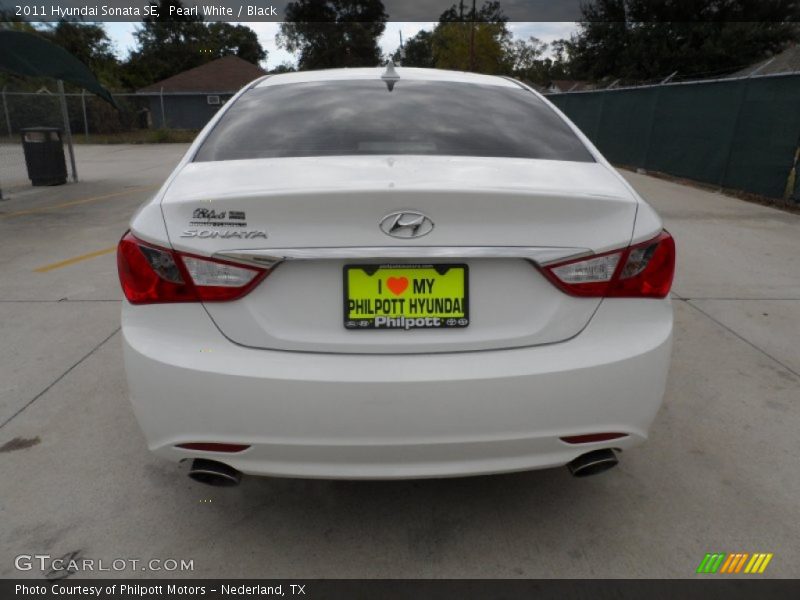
734,130
67,131
85,120
163,115
789,190
646,156
600,114
5,110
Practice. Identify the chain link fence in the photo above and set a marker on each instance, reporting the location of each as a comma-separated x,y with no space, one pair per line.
153,118
739,134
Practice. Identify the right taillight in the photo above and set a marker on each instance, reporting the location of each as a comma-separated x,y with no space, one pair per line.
150,274
641,271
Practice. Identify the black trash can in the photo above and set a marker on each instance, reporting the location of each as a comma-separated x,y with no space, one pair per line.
44,155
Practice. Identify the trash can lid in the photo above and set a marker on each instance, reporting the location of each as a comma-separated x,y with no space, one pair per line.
42,129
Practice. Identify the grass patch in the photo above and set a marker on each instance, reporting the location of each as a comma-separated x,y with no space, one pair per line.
138,136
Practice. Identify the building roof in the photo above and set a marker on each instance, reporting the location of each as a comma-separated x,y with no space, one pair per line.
787,61
226,74
408,73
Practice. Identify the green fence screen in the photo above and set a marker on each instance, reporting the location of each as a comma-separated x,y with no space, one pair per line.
740,134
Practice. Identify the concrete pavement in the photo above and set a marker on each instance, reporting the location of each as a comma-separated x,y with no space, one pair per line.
718,474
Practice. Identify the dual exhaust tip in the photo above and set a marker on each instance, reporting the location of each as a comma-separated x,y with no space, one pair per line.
219,474
593,463
214,473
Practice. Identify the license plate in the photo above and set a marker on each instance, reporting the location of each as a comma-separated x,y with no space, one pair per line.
406,296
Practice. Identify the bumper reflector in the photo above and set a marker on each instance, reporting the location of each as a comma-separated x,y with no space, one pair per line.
592,437
213,447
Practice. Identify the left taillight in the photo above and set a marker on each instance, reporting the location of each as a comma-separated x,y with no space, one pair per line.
151,274
644,270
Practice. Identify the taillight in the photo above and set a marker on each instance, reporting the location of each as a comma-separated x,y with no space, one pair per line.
641,271
150,274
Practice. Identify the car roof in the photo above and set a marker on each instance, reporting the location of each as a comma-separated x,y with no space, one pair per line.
407,73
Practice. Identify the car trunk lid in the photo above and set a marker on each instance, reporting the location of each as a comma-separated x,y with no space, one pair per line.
318,216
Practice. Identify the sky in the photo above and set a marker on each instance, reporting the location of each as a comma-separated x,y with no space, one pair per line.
122,36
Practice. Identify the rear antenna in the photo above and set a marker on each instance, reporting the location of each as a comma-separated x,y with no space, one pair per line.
390,76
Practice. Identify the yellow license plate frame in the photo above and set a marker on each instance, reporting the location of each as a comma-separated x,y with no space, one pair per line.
406,297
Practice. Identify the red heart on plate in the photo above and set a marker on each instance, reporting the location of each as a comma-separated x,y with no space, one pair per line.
397,285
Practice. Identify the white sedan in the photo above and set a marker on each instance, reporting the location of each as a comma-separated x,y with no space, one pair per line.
399,273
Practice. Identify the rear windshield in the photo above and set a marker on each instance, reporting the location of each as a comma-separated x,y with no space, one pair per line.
416,117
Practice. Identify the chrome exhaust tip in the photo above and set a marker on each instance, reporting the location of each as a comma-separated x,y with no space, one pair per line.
593,463
214,473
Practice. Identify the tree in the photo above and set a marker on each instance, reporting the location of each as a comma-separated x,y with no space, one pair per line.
471,41
167,46
10,21
224,39
639,39
417,51
170,44
478,47
558,66
333,33
489,12
90,44
525,60
282,68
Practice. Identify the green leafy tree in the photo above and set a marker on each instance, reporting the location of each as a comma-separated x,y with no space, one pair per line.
488,12
478,47
526,60
282,68
10,21
471,41
225,39
168,45
417,51
90,44
333,33
557,64
640,40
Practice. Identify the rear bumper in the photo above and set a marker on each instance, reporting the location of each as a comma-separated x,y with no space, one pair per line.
395,416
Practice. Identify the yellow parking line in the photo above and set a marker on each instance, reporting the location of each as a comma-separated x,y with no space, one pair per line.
76,259
31,211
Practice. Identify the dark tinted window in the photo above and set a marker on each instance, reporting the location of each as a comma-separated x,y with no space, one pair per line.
359,117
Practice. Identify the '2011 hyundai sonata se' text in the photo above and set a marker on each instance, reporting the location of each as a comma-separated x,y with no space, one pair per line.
394,273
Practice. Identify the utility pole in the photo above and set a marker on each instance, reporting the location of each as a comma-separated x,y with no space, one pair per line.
67,129
472,39
402,50
163,112
85,118
8,119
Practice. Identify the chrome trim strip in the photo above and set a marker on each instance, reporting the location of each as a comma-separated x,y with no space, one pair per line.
269,257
